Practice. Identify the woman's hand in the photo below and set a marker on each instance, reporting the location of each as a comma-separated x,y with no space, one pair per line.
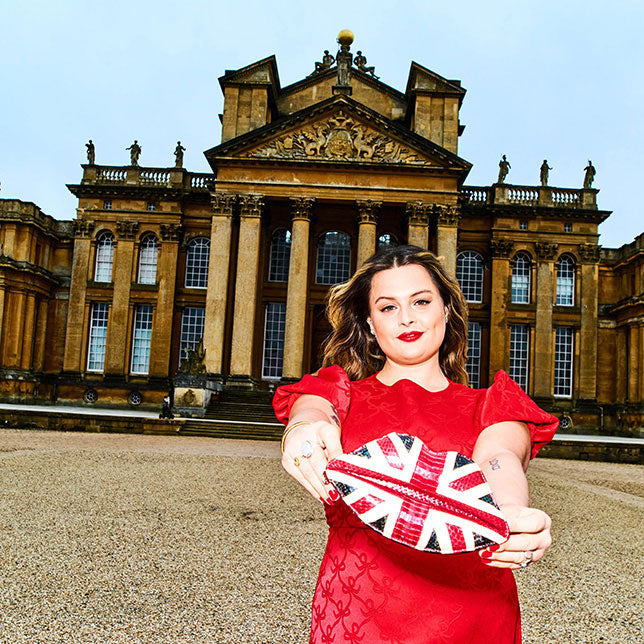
529,539
324,438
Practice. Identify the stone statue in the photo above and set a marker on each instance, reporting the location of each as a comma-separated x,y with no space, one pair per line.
178,155
91,152
504,168
589,177
344,58
327,61
194,362
135,152
543,173
360,61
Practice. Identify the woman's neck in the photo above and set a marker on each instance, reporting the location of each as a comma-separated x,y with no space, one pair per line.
427,375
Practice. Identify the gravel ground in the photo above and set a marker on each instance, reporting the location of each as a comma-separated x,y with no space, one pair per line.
153,540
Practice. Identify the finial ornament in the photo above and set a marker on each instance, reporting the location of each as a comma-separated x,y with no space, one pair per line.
345,39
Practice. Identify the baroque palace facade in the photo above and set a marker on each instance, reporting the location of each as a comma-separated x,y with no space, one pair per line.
197,283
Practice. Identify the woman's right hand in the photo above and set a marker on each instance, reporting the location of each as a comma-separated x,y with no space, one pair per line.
324,437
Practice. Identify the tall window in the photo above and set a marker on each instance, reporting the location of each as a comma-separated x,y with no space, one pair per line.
280,256
148,253
520,354
386,240
334,258
142,336
97,336
565,281
564,342
191,330
469,273
274,340
473,365
521,279
197,263
104,257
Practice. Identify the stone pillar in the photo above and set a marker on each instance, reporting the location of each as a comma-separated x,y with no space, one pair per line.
217,293
589,254
74,334
27,331
166,278
418,224
14,332
41,335
641,364
241,360
297,288
543,357
621,371
367,220
117,332
499,343
2,305
447,218
633,377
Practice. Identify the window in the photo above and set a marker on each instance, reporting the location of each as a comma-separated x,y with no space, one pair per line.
473,365
565,281
564,339
521,279
523,225
334,258
151,207
280,256
148,253
197,263
107,204
141,339
191,330
386,240
97,336
520,354
469,273
567,228
274,340
104,257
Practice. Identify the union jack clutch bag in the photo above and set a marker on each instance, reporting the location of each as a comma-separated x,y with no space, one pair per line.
433,501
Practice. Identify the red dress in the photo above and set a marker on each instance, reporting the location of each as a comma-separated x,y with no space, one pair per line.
371,589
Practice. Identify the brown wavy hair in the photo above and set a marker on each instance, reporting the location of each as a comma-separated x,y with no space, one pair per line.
350,344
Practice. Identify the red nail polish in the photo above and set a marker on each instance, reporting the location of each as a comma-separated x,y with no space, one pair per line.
494,547
334,494
486,555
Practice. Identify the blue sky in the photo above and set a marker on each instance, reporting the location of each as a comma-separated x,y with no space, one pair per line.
560,80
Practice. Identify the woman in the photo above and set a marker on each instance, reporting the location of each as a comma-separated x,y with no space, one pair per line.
397,352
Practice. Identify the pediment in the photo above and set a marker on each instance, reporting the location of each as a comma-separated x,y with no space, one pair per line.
423,79
263,71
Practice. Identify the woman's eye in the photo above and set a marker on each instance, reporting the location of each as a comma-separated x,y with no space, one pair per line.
423,302
389,307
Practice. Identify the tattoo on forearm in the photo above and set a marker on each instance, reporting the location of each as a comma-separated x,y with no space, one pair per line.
494,463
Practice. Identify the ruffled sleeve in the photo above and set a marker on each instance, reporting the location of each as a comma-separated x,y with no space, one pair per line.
505,401
331,383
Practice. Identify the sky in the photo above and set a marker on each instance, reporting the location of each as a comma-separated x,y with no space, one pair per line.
560,80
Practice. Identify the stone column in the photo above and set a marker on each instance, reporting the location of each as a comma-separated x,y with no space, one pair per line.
115,356
27,331
74,334
641,364
447,218
543,358
241,360
218,271
297,288
634,375
2,305
41,335
418,223
166,279
367,219
589,254
621,370
499,355
14,331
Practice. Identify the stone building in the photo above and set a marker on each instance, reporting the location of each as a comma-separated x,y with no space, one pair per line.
168,279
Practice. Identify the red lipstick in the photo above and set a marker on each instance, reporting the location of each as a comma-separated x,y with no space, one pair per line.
410,336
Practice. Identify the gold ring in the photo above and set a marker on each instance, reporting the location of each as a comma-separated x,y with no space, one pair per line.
296,461
527,558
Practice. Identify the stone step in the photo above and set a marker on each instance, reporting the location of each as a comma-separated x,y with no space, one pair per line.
224,429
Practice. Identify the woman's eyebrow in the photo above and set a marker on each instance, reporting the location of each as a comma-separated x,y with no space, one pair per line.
389,297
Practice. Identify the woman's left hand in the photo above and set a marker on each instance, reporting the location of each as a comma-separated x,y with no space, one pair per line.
529,539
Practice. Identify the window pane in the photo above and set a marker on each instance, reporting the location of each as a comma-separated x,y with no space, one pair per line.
104,257
197,263
334,258
280,256
564,336
565,281
148,253
191,330
469,273
141,339
274,340
521,279
386,240
519,354
97,336
473,365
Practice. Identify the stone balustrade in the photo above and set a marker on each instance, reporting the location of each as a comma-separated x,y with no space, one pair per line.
511,195
177,178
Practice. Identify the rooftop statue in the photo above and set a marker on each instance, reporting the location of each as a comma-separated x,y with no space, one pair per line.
543,172
327,62
360,61
504,168
135,152
178,155
589,175
91,152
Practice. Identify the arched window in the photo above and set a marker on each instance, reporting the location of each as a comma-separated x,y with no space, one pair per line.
521,272
104,257
565,281
334,258
387,240
469,273
148,252
280,256
197,263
